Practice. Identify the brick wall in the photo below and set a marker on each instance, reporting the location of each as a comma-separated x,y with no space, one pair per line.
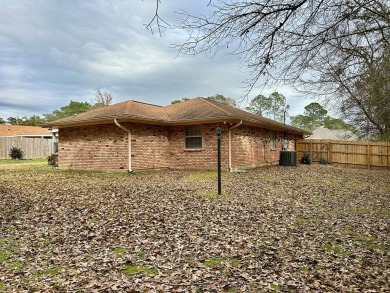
106,147
97,147
150,146
204,158
251,146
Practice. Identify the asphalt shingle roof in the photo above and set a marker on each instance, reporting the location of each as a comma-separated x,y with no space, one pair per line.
335,134
20,130
193,110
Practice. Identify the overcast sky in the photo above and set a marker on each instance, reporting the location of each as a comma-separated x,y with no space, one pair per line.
54,51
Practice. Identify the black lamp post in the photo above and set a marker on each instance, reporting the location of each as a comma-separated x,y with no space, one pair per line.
284,119
219,131
284,113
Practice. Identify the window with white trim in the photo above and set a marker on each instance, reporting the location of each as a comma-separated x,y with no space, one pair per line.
193,137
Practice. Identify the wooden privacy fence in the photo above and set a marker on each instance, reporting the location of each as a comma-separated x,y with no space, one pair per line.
32,147
370,154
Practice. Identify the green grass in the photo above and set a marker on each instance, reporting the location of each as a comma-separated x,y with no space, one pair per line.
53,271
213,262
41,166
212,194
140,255
364,238
120,250
304,269
334,248
4,255
235,263
49,272
378,247
22,161
301,221
369,242
132,269
46,242
15,265
275,288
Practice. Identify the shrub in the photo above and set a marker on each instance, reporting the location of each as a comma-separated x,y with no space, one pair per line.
324,161
306,158
52,159
16,153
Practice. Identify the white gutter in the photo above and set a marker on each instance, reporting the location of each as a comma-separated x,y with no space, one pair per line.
230,144
129,139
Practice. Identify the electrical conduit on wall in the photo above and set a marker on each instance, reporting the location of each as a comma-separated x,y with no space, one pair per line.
129,139
230,144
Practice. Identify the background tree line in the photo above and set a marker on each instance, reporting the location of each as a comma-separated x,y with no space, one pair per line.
101,99
275,107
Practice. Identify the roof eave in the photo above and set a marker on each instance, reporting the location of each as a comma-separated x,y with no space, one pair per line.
103,120
228,118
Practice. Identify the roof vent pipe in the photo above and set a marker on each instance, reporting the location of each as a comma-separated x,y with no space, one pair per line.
129,139
230,144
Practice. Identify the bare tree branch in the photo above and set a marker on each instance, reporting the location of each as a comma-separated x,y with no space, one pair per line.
279,40
160,23
322,47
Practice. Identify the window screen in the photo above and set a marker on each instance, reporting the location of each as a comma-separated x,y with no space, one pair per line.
272,143
193,137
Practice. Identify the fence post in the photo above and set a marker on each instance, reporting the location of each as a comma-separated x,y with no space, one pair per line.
368,156
311,151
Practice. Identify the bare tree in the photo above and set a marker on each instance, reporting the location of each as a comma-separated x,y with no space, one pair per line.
282,39
358,84
102,98
366,102
321,47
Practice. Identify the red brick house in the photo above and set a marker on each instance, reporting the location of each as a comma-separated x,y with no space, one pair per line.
133,136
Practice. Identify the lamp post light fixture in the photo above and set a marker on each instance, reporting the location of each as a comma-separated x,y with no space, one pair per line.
284,122
284,113
219,132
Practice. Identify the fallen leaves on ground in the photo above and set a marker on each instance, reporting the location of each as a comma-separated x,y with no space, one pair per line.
305,229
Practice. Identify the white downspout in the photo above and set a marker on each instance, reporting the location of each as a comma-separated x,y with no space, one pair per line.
129,139
230,144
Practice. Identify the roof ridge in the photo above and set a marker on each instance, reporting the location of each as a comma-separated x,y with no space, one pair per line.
215,106
177,105
166,112
161,107
145,103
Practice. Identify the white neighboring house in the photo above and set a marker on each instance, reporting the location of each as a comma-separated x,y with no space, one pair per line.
339,134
